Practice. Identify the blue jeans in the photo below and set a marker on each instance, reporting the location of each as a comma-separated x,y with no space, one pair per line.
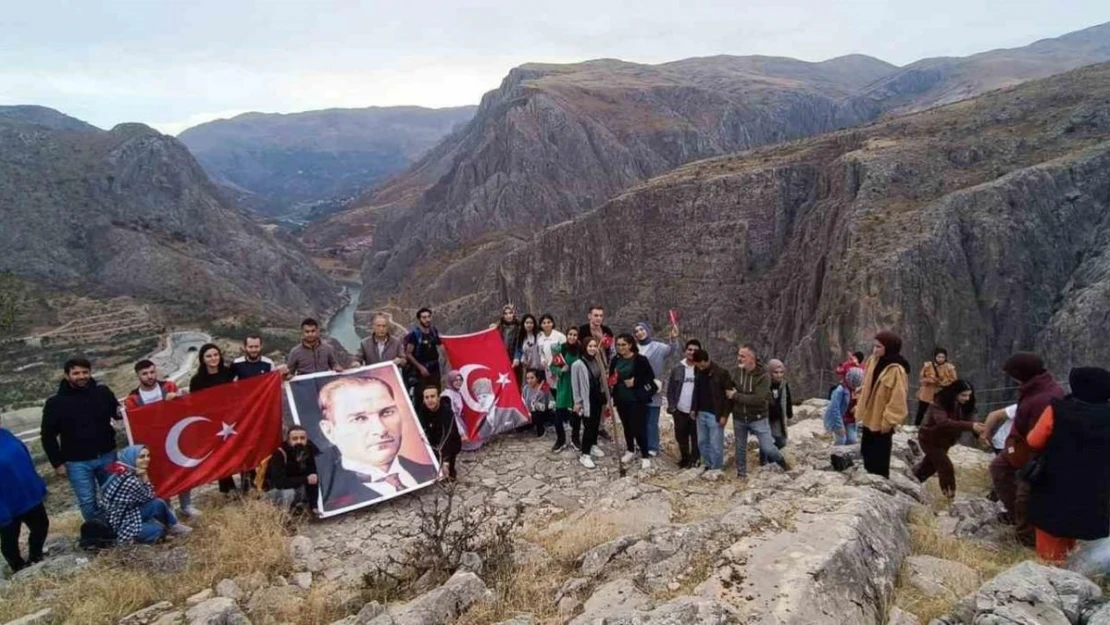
711,441
157,518
762,431
85,476
850,436
653,428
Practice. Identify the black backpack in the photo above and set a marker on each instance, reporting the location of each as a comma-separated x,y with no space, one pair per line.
841,462
97,533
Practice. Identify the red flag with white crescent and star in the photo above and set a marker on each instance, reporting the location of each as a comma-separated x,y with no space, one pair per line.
201,437
492,402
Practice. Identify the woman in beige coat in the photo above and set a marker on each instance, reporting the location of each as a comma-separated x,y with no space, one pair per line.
935,375
882,404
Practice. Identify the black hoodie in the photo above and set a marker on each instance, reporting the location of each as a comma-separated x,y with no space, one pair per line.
286,471
77,423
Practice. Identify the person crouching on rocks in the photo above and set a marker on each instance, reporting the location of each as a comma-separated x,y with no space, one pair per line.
291,480
21,503
438,419
882,402
134,511
951,413
840,415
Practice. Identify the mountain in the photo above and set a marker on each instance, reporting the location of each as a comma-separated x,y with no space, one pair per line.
130,212
304,158
982,226
932,82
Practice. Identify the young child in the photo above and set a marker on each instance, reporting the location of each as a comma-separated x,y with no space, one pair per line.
537,397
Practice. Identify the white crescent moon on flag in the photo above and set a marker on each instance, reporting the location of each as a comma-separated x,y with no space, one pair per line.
173,448
472,403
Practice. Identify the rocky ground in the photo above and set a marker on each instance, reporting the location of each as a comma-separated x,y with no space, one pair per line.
657,546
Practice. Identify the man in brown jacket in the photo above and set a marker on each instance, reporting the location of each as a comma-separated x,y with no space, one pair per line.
750,401
380,346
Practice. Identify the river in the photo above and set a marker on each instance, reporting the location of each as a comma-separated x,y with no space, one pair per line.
342,324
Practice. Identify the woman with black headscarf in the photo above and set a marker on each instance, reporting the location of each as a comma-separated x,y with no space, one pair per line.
882,401
935,375
951,413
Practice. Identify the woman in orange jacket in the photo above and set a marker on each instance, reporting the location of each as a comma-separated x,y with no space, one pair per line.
935,375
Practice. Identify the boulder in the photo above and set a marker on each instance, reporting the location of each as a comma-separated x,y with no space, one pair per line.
471,562
938,578
303,554
147,615
201,596
228,588
61,566
1028,593
898,616
444,603
615,599
1100,616
217,611
275,600
303,580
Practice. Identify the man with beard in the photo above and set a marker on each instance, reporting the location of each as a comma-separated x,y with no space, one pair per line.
422,352
252,362
361,419
311,355
291,478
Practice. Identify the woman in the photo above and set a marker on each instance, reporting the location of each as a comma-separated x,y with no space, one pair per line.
588,399
21,503
780,410
882,402
135,513
528,347
951,413
547,339
1070,479
509,328
633,384
438,420
935,375
453,391
656,352
563,357
840,416
212,371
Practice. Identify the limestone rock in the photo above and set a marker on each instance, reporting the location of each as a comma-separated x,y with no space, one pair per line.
147,615
444,603
613,599
62,566
304,555
38,618
303,580
898,616
1100,616
217,611
199,597
275,599
369,612
471,562
1029,593
175,617
520,619
228,588
939,578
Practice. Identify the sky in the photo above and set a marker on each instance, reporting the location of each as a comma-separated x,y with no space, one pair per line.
173,64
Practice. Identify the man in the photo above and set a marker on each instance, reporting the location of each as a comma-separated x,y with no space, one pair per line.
656,352
151,390
77,432
749,399
291,478
1037,391
680,401
710,404
252,362
781,409
361,419
380,346
312,355
422,352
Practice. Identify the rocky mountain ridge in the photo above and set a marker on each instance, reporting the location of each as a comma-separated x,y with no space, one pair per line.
130,212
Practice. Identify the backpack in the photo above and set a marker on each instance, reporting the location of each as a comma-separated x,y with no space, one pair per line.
261,472
97,533
841,462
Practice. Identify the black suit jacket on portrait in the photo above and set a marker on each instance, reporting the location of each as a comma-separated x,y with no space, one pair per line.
343,488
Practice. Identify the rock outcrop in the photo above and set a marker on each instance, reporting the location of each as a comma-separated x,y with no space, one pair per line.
1031,593
130,212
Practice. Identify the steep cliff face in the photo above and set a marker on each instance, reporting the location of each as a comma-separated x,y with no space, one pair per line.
130,212
983,226
555,141
304,158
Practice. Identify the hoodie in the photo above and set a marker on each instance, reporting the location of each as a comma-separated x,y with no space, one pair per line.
23,488
77,423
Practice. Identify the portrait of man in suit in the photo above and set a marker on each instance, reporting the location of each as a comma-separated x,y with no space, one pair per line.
364,422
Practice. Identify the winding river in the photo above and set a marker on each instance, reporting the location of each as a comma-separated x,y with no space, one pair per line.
342,324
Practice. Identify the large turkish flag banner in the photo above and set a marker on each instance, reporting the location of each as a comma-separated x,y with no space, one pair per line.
491,397
204,436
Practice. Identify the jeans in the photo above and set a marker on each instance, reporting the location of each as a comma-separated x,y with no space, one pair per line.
762,431
653,428
850,435
780,442
289,497
686,435
634,419
38,523
157,518
711,441
85,476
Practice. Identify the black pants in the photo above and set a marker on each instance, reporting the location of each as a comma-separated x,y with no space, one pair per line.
564,415
590,427
922,408
633,416
540,419
38,523
686,435
875,449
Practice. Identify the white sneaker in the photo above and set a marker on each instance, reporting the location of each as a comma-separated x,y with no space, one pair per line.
628,457
596,452
190,512
653,453
586,461
179,529
645,464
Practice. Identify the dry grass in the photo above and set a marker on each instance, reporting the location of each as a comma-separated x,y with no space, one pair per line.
565,546
229,541
519,589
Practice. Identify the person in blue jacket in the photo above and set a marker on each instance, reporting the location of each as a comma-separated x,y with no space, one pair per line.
21,502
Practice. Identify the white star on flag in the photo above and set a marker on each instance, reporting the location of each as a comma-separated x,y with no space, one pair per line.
502,379
227,431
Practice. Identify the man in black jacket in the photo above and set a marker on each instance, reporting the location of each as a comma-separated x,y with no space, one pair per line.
291,478
711,406
680,404
77,432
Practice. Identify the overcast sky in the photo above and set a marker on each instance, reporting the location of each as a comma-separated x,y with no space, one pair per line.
173,64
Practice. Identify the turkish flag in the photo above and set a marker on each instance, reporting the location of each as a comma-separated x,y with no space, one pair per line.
491,397
201,437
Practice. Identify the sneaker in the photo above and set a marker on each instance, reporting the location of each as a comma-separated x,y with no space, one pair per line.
628,457
684,464
575,444
558,447
540,433
653,453
645,464
190,512
179,529
596,452
586,461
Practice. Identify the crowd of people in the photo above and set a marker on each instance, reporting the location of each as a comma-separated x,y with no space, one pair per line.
1050,474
